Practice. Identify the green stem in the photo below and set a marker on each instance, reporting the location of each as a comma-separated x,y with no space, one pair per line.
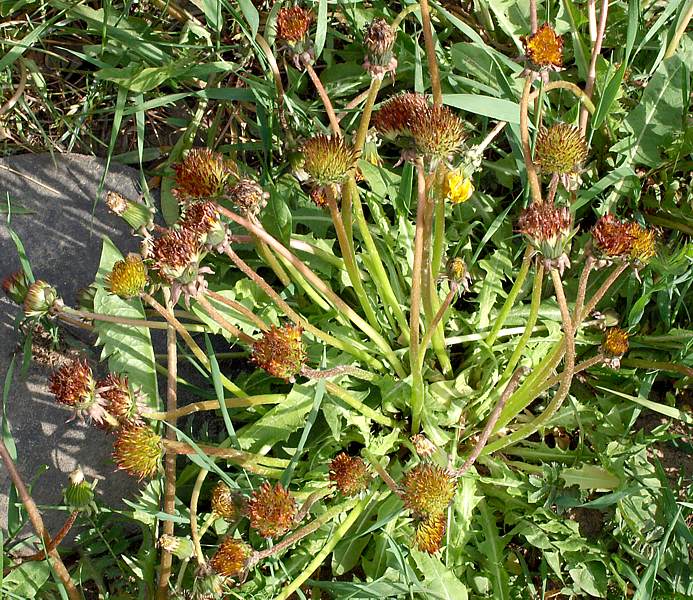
436,321
350,261
333,540
510,300
639,363
532,176
364,123
680,30
431,53
189,409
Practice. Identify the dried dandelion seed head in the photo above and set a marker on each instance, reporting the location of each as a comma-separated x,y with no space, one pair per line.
349,474
328,159
202,174
231,557
560,149
40,299
544,49
548,229
73,385
137,450
428,489
379,39
248,197
16,286
429,533
423,446
122,403
280,351
293,25
128,277
457,187
271,510
226,503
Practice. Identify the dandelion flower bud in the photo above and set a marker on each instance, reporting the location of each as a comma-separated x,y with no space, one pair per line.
328,159
128,277
135,214
280,351
225,503
271,510
202,174
181,548
429,533
249,197
548,229
458,188
379,40
428,489
137,450
231,557
79,495
544,49
40,299
16,286
349,474
614,346
560,149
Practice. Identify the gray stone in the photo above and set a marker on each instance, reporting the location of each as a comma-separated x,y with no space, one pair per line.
63,242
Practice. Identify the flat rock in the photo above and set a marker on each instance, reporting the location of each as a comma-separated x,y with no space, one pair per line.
62,238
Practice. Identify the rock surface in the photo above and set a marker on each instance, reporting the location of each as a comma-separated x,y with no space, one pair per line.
62,238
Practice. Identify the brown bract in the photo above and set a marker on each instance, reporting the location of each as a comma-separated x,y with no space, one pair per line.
271,510
623,239
249,197
429,533
16,286
293,24
119,400
280,351
231,557
544,48
428,489
225,503
200,216
349,473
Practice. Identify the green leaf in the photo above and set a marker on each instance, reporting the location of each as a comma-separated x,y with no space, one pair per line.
440,580
348,553
277,217
128,349
251,15
170,209
492,549
321,30
27,580
590,477
488,106
278,423
660,113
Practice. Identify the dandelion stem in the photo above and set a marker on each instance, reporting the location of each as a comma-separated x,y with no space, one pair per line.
431,53
382,472
599,294
436,321
533,16
221,320
512,296
592,69
364,123
334,124
582,290
204,405
240,309
194,533
532,176
143,323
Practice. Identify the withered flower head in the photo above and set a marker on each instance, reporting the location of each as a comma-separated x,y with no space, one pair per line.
561,149
379,40
271,510
623,239
548,228
428,489
202,174
40,299
280,351
16,286
429,533
544,48
249,197
137,450
328,159
128,277
231,557
293,24
458,275
349,473
120,401
73,385
174,251
412,121
226,503
615,342
424,447
200,216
